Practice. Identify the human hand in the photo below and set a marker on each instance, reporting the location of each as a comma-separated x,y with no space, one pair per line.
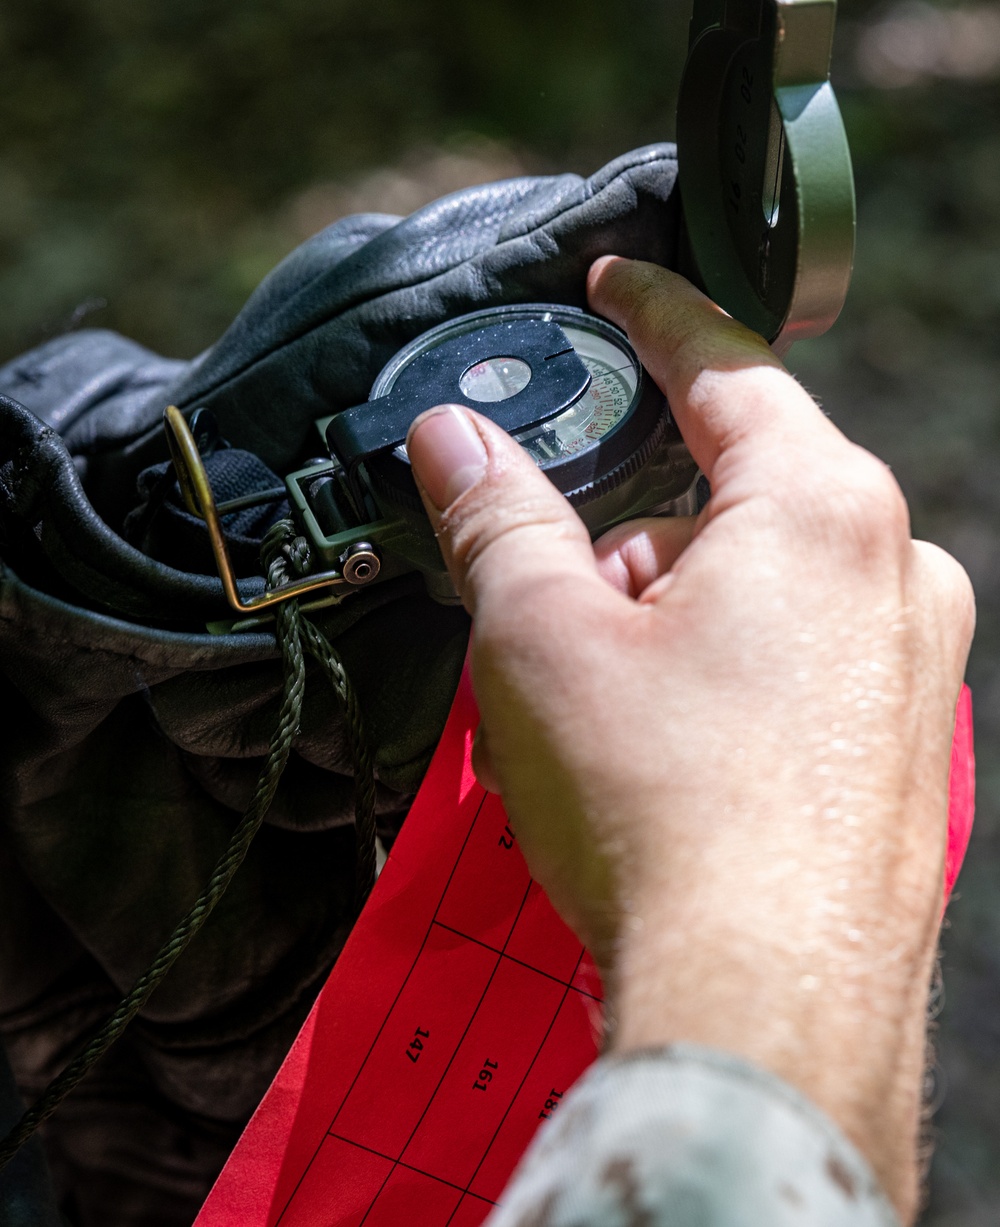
724,744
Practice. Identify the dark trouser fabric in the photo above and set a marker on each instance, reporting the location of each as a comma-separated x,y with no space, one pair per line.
135,737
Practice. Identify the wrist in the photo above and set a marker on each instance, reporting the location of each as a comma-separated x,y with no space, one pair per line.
841,1019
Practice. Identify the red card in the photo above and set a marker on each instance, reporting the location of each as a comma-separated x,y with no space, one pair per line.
458,1015
961,791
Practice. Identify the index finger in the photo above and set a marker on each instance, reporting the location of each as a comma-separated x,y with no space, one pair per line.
724,385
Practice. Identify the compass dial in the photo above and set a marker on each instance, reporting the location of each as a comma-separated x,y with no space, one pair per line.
590,445
614,377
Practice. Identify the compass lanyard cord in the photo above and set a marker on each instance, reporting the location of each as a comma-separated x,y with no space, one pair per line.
280,551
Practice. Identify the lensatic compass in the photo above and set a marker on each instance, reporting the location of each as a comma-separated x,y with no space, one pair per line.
768,215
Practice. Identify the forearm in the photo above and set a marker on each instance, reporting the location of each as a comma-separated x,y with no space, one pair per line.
814,965
847,1031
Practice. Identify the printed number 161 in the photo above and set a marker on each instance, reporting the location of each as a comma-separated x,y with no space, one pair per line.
485,1075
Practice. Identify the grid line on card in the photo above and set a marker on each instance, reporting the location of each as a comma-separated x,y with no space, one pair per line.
472,1019
364,1062
521,963
520,1087
410,1168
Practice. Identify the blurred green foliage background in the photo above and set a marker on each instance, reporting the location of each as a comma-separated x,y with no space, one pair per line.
157,159
155,155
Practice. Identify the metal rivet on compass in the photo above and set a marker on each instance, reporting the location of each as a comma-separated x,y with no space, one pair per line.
360,563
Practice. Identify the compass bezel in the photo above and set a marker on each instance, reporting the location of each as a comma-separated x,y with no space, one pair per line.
581,476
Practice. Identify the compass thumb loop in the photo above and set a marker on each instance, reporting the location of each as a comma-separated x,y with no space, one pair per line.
500,522
447,454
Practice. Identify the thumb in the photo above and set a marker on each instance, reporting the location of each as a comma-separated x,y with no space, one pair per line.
502,526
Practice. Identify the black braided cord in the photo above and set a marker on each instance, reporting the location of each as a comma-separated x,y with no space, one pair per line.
317,644
281,542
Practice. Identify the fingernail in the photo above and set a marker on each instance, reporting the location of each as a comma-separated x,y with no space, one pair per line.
446,452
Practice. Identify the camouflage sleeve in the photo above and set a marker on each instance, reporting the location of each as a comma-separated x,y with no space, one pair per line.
686,1136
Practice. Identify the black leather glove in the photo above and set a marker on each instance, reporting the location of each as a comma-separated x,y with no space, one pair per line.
138,736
